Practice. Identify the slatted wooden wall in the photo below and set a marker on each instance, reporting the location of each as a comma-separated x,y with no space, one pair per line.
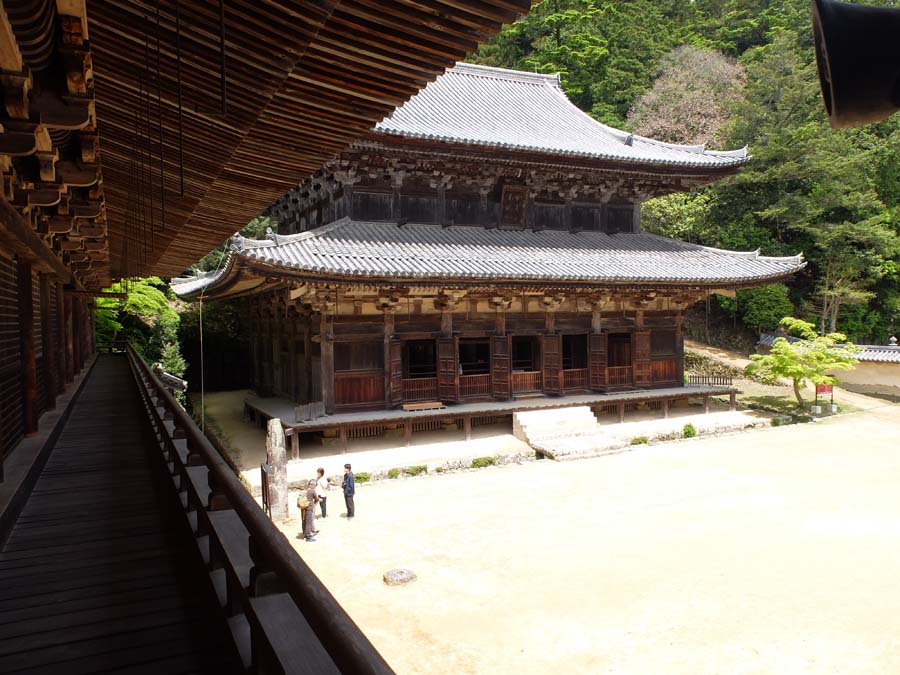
11,427
37,335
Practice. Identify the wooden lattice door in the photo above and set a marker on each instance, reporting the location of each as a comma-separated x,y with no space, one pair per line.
448,369
597,361
643,375
396,372
551,355
500,368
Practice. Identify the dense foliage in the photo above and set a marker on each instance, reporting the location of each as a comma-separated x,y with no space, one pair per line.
731,73
146,318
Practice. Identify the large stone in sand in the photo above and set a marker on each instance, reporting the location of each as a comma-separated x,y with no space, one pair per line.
399,576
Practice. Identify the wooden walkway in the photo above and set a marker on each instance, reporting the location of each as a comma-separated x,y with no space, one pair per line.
96,575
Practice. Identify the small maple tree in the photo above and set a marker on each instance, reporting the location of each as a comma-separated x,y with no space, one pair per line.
807,359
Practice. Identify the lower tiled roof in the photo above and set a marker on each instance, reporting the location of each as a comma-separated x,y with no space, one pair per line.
359,250
416,251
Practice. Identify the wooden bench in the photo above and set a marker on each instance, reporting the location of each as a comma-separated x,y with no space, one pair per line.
425,405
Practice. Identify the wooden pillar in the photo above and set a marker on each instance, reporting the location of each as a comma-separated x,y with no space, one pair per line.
70,338
679,351
596,322
621,412
307,361
77,331
50,354
407,432
388,361
500,321
467,426
732,401
27,347
550,321
447,322
665,408
706,404
327,362
60,346
277,372
292,388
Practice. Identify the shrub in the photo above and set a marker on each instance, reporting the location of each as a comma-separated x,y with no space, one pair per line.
689,430
362,477
393,473
440,469
415,470
640,440
482,462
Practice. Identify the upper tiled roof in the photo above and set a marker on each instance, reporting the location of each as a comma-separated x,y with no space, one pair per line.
359,250
518,110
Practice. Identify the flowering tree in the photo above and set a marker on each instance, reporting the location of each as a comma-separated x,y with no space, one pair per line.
808,359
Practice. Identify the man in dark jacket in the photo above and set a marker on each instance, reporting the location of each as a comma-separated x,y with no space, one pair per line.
349,485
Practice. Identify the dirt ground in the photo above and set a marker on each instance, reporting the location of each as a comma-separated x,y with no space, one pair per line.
773,551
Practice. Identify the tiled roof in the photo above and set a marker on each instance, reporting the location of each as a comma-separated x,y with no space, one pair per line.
518,110
195,284
768,339
360,250
879,354
873,353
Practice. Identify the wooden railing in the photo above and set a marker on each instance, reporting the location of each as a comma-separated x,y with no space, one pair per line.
420,389
265,585
575,378
710,380
618,376
526,382
474,386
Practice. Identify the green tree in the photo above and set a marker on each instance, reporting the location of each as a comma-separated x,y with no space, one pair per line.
808,359
764,307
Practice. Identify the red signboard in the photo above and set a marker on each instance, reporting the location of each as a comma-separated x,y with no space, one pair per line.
823,389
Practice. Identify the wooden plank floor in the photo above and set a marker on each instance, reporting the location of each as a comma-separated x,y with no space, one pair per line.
96,576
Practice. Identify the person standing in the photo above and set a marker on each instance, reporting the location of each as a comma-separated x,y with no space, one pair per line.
322,487
309,526
349,485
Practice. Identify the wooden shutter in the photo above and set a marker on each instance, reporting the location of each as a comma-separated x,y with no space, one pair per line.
448,369
396,372
500,382
643,375
597,360
551,355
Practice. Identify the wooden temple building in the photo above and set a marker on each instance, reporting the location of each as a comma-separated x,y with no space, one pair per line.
482,243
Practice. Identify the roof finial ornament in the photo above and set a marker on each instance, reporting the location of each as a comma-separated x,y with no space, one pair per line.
892,342
629,140
270,234
237,243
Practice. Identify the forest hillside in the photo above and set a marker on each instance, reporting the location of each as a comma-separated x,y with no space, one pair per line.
730,73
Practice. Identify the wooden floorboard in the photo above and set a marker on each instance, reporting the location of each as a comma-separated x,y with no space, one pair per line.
96,575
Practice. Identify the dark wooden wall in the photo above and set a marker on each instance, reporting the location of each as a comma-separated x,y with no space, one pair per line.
419,202
356,361
46,338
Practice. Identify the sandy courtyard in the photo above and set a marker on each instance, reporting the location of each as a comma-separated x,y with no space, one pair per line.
774,551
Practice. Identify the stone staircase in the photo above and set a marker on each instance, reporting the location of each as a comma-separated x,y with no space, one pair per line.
564,433
573,433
